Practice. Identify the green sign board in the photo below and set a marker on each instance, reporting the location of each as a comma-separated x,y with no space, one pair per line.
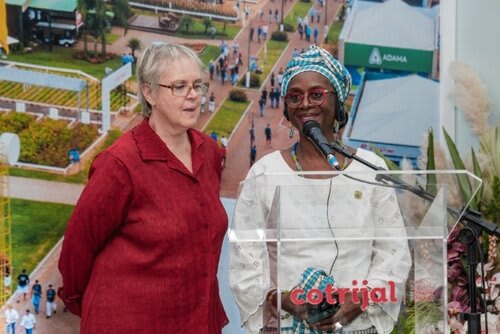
388,58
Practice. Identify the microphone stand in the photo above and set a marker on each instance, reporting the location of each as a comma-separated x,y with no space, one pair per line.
474,225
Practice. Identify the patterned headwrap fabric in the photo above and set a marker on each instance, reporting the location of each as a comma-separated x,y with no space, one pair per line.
317,279
319,60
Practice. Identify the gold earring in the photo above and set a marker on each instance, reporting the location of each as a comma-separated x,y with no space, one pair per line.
336,127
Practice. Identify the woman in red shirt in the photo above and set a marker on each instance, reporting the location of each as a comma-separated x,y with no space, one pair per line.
141,251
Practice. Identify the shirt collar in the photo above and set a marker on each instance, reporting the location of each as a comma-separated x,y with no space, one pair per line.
151,147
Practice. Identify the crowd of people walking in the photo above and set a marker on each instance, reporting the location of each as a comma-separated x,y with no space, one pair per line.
22,294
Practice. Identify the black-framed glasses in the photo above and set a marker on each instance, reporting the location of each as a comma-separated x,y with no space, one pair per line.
315,97
183,88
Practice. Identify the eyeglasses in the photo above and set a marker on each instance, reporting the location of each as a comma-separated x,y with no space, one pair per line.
182,88
315,97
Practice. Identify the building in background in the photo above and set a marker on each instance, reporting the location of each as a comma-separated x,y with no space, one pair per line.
393,113
27,19
391,37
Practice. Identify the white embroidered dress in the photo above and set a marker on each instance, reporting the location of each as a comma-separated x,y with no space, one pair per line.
355,209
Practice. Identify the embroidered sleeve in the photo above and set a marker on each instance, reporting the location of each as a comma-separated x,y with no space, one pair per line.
249,265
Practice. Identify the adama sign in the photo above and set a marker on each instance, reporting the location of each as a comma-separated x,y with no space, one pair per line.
376,59
388,58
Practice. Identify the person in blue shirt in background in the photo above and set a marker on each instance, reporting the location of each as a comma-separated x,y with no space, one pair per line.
213,135
36,295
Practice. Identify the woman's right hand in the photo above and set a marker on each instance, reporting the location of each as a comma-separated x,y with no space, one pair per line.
298,311
287,305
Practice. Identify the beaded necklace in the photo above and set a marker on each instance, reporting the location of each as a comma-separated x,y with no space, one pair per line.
296,160
294,157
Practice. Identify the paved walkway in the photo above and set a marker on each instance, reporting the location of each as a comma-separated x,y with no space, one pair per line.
237,159
46,272
238,155
44,191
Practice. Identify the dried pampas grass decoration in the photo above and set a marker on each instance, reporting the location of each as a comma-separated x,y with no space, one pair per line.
406,165
413,207
455,198
489,160
439,155
471,97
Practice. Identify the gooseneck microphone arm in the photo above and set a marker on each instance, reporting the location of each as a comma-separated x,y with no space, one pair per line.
474,226
312,131
468,215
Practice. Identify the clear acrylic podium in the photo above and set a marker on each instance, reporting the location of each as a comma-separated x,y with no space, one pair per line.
364,234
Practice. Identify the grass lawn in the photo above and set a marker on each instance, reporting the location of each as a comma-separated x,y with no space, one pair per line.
197,30
111,38
226,118
267,59
301,9
334,32
36,228
80,177
63,57
211,52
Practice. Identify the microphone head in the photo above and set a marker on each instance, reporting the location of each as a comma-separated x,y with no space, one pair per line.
309,126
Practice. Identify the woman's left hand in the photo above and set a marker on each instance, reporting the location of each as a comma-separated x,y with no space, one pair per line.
345,314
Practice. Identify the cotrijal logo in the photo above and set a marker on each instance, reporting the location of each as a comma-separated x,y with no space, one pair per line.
333,295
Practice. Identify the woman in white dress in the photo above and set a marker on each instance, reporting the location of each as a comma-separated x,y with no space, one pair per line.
315,87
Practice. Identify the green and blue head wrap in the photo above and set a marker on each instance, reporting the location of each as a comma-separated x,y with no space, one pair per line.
319,60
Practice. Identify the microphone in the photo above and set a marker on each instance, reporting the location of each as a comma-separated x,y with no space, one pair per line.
312,131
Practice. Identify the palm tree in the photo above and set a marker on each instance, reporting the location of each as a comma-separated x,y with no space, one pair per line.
98,19
83,7
186,21
122,12
103,24
207,22
134,44
97,24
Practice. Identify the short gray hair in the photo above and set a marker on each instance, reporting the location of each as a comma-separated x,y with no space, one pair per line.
152,63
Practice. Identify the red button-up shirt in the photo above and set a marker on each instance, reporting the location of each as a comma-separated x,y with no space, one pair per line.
141,251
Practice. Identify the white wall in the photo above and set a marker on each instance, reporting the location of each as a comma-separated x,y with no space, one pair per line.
476,29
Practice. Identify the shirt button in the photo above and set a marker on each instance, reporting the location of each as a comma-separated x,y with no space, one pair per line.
205,226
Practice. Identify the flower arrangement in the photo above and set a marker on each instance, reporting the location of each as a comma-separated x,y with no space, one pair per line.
196,47
490,293
471,98
423,311
93,58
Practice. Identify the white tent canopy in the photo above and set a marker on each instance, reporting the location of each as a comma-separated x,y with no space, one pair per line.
397,111
392,23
